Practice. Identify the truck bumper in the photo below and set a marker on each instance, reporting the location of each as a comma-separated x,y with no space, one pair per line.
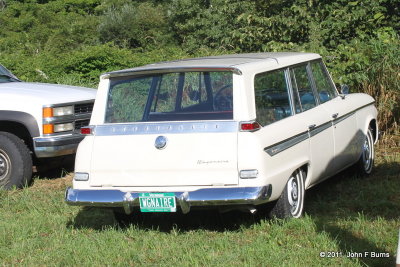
207,197
56,145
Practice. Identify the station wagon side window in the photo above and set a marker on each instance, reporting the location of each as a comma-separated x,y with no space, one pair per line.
301,85
272,97
325,88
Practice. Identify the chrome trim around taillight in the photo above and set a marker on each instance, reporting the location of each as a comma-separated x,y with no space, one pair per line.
256,126
90,128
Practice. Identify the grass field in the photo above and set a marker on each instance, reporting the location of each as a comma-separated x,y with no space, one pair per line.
343,215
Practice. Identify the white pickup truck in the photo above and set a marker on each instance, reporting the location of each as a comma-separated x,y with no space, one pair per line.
38,120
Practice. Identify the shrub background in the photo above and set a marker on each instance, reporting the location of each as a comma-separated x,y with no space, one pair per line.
74,41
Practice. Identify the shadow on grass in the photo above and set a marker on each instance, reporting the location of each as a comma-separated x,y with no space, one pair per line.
93,218
331,204
355,246
212,220
347,198
57,167
346,195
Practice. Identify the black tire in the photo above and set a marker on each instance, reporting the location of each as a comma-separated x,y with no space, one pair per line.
291,202
366,161
15,162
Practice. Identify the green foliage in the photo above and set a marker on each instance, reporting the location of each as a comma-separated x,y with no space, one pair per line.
91,61
34,28
76,40
135,26
245,26
207,23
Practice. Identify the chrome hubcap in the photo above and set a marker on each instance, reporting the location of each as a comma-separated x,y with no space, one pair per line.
293,194
5,164
367,153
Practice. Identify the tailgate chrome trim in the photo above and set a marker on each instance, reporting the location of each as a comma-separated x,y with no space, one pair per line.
165,128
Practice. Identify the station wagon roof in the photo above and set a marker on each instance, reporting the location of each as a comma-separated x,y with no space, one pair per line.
235,63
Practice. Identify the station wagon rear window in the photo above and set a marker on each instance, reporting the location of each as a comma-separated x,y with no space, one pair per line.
177,96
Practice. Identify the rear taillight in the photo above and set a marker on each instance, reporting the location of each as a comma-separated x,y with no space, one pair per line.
88,130
249,126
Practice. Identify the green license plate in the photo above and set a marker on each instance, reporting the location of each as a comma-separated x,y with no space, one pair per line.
157,202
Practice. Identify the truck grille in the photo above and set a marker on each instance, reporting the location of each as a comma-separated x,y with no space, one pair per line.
81,123
83,108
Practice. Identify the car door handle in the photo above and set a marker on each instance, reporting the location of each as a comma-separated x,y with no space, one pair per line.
335,115
312,126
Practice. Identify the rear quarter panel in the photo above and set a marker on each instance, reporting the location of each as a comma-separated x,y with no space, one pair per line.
276,169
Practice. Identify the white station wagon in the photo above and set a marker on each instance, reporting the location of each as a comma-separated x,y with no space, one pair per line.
225,132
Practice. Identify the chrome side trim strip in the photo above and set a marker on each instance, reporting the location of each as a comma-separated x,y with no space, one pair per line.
342,118
294,140
285,144
199,198
165,128
366,105
320,128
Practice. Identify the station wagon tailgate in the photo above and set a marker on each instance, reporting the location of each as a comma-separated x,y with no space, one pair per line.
165,154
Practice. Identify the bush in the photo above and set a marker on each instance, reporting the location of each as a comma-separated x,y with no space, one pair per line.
135,26
74,41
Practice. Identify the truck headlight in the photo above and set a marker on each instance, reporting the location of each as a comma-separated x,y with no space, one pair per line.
49,112
52,115
63,127
62,111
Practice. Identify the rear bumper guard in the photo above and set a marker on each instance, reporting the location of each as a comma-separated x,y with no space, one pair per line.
185,200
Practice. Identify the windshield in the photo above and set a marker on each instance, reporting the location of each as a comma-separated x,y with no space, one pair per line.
171,97
6,76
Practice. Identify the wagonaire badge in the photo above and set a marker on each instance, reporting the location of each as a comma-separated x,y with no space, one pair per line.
160,142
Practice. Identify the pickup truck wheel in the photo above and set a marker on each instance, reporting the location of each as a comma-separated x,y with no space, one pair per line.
366,161
291,202
15,162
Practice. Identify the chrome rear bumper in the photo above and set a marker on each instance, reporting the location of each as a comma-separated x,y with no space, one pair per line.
185,200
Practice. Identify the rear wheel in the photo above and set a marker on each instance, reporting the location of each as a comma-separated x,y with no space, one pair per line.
15,162
366,161
291,202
